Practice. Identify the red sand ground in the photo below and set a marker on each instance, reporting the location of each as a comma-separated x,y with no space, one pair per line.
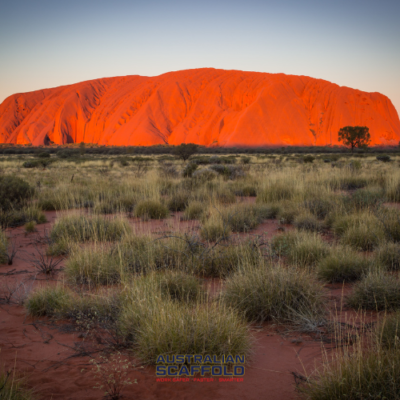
40,351
204,106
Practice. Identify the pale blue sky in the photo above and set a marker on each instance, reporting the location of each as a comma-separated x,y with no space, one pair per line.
51,43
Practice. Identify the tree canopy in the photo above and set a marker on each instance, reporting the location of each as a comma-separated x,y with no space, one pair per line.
355,136
185,150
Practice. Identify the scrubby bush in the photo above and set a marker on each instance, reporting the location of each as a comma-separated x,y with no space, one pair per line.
204,175
241,217
275,293
189,169
343,265
14,192
43,155
287,212
151,209
384,158
376,291
308,159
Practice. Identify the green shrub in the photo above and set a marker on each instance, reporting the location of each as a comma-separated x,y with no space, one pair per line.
14,192
275,293
151,209
48,301
308,159
342,265
384,158
376,291
388,255
43,155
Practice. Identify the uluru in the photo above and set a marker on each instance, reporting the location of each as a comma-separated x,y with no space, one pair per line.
204,106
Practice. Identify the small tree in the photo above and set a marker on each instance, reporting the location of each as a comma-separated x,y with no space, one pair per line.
82,149
355,136
185,150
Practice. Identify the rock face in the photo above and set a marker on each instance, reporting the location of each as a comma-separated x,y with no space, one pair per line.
204,106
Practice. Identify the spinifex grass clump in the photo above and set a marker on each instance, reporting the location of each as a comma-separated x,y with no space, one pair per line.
178,201
48,301
276,191
94,265
215,229
304,249
376,291
194,210
343,265
388,255
276,293
82,228
3,247
388,331
13,387
307,222
389,221
181,286
151,209
361,231
242,217
156,325
365,198
223,260
372,373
